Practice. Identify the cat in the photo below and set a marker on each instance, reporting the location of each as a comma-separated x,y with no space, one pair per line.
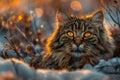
77,41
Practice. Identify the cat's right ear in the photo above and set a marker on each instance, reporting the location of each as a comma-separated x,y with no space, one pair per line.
61,16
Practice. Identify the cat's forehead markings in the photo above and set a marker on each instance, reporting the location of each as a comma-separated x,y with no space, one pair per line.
74,26
82,27
77,25
86,23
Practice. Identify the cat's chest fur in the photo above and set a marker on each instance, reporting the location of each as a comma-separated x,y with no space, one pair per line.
76,54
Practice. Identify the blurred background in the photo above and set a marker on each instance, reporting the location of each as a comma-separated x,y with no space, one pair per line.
43,11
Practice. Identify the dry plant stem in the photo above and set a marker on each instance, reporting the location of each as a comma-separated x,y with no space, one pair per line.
13,46
24,36
34,25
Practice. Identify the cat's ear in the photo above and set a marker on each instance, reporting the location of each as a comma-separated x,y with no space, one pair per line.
61,16
98,17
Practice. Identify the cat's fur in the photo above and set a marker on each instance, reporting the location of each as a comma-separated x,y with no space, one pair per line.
116,36
65,52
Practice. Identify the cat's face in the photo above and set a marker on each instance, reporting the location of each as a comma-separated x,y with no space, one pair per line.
80,35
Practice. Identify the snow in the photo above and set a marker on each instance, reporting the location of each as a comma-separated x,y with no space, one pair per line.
22,70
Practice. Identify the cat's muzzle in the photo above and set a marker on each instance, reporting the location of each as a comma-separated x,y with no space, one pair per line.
77,51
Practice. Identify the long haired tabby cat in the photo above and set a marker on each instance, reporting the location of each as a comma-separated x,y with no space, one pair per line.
77,41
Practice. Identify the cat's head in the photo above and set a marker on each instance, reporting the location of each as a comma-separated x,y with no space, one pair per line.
78,36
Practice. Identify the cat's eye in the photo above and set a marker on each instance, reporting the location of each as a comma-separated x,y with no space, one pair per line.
70,34
87,34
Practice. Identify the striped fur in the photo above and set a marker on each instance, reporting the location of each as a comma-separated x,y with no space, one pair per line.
66,52
116,36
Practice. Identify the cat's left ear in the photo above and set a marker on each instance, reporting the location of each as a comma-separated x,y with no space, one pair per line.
98,17
61,16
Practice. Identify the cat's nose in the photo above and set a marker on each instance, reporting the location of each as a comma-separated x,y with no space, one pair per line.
77,41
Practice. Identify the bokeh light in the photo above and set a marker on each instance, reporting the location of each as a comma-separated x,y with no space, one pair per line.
39,12
20,17
76,5
42,26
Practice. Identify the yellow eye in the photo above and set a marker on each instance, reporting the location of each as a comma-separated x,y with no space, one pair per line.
70,34
87,34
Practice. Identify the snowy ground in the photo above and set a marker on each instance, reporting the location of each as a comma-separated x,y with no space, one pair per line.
15,69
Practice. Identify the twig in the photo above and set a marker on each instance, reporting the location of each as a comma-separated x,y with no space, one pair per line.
13,46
